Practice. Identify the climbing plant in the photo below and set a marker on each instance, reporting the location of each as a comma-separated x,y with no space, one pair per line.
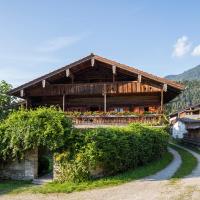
24,130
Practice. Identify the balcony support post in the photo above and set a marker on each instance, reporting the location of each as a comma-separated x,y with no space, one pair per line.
105,109
63,102
105,98
161,101
139,80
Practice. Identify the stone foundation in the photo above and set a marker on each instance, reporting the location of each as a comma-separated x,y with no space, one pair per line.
26,169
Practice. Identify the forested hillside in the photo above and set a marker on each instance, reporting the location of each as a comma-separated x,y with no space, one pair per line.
190,96
189,75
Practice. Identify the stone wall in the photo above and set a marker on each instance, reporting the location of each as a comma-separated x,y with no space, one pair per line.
25,169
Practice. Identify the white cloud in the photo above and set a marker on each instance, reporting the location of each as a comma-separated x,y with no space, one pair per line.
196,51
59,43
181,47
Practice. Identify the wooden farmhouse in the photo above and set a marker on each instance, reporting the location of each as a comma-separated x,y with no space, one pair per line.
192,112
94,83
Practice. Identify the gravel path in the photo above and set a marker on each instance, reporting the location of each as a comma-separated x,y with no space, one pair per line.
151,188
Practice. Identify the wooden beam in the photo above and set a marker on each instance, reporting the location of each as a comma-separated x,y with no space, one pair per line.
67,72
63,102
165,87
21,93
114,69
161,101
139,78
92,62
105,98
44,83
26,104
139,82
114,72
105,109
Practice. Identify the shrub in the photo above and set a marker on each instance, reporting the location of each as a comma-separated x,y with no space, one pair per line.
24,130
99,152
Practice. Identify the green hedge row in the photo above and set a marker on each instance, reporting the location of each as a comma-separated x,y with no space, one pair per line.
108,151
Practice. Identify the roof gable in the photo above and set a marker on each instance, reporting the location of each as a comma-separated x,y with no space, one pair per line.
92,58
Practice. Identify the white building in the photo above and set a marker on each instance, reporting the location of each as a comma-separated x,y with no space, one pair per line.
179,129
182,126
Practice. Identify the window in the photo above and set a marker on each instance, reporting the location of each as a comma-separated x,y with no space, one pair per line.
118,109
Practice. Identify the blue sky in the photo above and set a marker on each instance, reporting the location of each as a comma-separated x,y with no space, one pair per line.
36,37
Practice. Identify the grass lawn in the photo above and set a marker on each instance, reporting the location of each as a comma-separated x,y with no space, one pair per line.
68,187
9,186
191,147
189,162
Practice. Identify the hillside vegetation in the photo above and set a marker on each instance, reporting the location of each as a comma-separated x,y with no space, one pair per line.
190,96
189,75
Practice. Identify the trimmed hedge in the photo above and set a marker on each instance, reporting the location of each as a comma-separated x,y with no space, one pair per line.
28,129
107,151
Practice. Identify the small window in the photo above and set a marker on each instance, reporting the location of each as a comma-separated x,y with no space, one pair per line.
118,109
146,109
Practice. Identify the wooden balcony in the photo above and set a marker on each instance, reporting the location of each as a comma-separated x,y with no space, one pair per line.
117,88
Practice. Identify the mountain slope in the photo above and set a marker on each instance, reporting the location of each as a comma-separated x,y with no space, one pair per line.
191,94
189,75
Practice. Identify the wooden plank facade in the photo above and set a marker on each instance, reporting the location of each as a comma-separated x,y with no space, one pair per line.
95,83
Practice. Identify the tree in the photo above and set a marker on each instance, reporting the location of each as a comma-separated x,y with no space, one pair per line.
190,96
5,100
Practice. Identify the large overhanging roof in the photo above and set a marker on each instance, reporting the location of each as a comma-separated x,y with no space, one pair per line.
175,86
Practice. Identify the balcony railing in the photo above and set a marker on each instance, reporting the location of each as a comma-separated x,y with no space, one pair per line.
117,120
95,88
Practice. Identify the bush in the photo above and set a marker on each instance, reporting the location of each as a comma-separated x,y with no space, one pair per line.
100,152
25,130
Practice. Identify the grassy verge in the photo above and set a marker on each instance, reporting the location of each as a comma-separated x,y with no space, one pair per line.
68,187
189,162
9,186
191,147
